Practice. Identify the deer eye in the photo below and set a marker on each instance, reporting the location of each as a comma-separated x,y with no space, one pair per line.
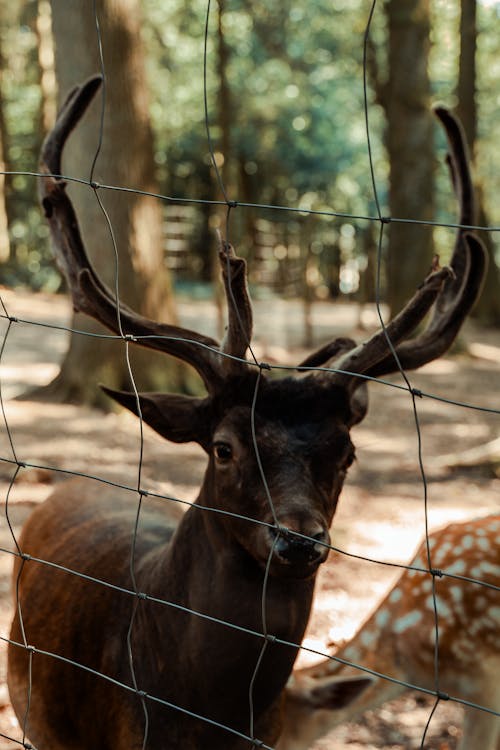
223,452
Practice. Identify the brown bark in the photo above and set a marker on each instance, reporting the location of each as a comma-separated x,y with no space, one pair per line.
125,159
48,85
409,139
466,90
487,310
4,223
4,166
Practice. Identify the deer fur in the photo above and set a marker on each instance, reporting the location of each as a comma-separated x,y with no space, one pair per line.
398,640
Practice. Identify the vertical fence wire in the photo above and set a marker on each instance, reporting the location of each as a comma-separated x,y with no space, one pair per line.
136,595
131,376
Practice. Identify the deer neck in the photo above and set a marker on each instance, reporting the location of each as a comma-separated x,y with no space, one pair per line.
205,571
221,580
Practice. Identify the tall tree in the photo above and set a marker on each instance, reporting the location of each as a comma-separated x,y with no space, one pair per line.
4,166
405,96
126,159
488,307
4,222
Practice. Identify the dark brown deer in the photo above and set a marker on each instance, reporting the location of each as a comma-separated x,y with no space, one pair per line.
193,673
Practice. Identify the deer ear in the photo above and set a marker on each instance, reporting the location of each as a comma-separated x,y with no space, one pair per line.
359,404
181,419
338,693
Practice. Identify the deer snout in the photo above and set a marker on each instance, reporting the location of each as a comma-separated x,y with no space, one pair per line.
305,548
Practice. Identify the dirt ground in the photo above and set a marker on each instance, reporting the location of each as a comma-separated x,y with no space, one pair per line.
381,513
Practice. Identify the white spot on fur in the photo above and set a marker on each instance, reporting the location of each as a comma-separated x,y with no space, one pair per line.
494,612
442,608
427,584
468,541
367,638
484,544
456,593
406,621
382,618
395,595
457,568
441,553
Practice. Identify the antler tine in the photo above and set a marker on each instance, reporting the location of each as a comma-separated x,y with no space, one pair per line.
89,294
452,290
75,104
362,359
446,321
468,263
239,329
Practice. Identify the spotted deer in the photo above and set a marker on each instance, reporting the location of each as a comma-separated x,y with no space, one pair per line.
398,640
194,631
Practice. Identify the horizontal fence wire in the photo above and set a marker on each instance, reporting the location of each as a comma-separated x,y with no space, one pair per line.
179,200
420,393
143,494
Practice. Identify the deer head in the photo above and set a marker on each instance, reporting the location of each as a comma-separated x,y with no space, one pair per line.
300,423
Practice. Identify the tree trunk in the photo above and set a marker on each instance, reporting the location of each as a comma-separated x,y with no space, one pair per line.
4,166
487,310
48,85
466,90
4,222
125,159
409,139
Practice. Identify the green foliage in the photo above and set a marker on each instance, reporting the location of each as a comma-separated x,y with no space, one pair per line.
294,73
295,114
30,260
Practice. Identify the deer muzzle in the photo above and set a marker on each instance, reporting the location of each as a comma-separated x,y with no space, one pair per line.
300,550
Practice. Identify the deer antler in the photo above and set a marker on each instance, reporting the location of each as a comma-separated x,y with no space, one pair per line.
92,297
452,291
239,330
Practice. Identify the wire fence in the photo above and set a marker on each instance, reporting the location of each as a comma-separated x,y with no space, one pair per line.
265,637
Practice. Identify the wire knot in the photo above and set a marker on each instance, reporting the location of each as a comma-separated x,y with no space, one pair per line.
442,696
265,366
94,185
416,392
385,219
436,572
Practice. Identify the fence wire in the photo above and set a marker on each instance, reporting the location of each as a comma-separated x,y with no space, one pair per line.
142,493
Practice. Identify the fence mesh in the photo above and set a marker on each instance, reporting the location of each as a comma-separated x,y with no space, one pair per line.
17,463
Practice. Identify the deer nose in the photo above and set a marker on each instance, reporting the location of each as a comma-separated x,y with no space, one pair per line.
300,549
